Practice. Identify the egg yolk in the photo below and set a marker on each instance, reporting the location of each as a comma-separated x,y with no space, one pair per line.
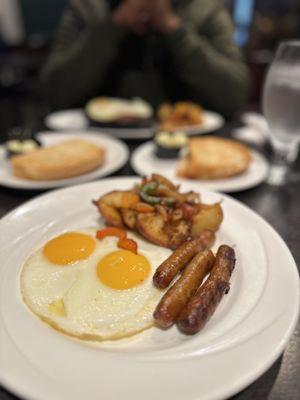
69,248
123,269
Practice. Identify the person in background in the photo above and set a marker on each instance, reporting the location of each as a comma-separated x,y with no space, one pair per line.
159,50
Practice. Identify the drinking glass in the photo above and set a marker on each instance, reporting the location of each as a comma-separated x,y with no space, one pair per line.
281,106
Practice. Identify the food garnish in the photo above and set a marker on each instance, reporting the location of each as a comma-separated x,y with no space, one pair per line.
111,231
123,242
128,244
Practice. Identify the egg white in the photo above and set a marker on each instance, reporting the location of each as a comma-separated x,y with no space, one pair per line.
93,311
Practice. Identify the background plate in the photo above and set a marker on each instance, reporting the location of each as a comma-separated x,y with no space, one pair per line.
145,162
65,120
75,120
117,154
211,122
244,337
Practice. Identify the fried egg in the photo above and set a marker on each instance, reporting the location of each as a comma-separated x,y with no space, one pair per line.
90,288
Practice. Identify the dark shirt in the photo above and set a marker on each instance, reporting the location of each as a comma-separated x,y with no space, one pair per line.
199,61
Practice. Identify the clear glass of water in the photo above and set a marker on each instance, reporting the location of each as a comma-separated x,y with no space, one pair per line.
281,106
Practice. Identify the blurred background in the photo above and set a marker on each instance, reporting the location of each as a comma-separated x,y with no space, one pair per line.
27,28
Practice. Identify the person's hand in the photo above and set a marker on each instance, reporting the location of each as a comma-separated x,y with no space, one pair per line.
163,18
133,15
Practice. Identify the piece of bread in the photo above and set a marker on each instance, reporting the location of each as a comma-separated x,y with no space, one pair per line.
214,158
65,160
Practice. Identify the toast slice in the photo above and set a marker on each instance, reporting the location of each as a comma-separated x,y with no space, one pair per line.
214,158
65,160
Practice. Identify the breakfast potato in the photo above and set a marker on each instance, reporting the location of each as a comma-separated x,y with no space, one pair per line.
209,217
151,226
154,228
110,204
159,212
178,233
111,215
129,217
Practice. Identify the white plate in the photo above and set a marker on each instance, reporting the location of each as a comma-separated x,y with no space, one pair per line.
75,120
145,162
244,337
70,120
117,154
211,122
66,120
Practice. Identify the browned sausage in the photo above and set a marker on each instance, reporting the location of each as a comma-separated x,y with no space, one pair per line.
167,271
203,304
183,289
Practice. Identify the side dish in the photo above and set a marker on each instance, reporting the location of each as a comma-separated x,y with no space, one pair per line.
181,114
169,144
119,111
157,210
17,147
214,158
64,160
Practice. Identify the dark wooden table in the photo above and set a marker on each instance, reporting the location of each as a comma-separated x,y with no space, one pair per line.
281,208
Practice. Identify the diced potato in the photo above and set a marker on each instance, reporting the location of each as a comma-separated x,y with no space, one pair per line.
111,215
151,226
209,217
178,233
110,204
156,230
129,218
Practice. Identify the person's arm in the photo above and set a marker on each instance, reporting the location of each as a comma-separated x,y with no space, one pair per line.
206,60
86,44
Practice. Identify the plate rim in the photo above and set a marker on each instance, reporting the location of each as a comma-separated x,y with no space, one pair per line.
56,184
292,266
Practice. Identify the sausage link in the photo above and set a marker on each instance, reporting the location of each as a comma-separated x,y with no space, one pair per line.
167,271
203,304
183,289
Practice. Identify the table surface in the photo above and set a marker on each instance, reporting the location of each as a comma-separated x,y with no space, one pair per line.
280,207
